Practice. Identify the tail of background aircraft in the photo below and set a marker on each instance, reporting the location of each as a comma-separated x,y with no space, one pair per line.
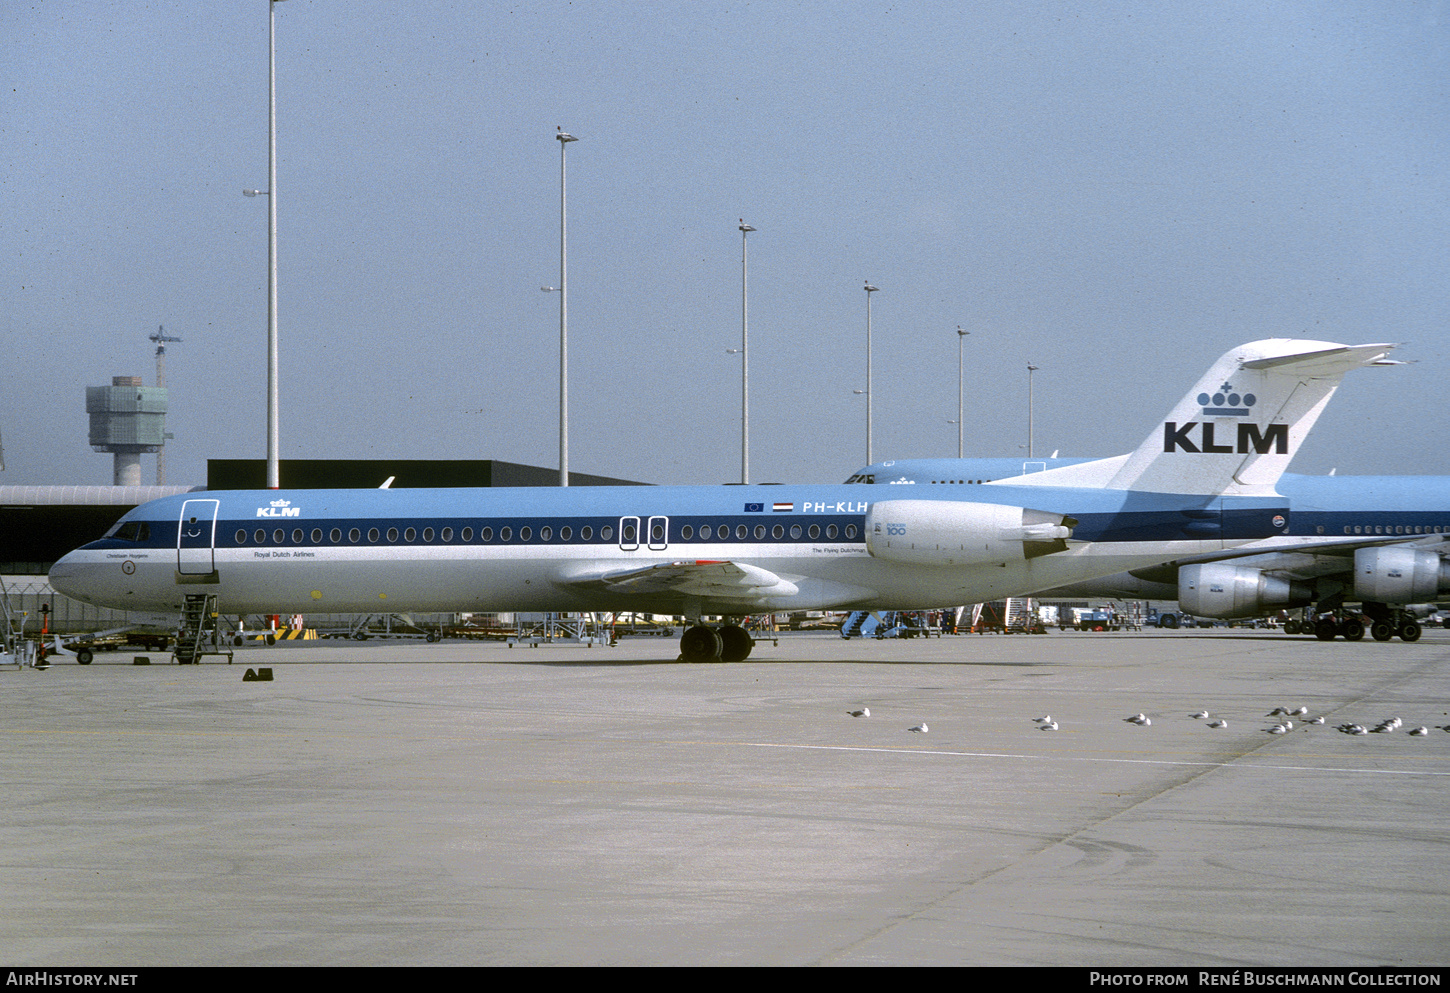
1237,429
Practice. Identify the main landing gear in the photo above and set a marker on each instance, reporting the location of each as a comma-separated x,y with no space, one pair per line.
1382,623
729,643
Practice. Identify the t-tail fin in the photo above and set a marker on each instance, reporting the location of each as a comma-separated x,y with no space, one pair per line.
1238,428
1244,420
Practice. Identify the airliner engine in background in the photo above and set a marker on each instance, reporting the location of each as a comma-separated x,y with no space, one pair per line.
1203,482
1378,541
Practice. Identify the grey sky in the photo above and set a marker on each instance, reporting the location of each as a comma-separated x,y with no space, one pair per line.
1117,193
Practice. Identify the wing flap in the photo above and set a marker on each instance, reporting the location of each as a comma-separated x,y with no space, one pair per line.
714,579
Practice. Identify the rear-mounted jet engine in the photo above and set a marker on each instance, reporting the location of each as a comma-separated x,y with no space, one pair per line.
948,533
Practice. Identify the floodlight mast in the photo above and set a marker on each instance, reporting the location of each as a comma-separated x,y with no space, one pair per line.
161,338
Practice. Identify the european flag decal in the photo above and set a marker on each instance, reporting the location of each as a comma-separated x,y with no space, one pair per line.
755,508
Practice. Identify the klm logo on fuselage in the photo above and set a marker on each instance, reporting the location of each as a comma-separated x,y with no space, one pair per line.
1274,439
280,508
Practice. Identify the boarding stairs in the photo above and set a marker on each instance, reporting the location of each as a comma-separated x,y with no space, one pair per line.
11,634
200,634
866,624
1017,615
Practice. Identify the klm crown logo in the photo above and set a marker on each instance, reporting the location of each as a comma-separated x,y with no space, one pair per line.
280,508
1226,403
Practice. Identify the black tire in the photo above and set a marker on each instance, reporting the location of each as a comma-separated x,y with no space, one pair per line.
735,643
700,644
1326,630
1409,631
1353,630
1381,631
84,656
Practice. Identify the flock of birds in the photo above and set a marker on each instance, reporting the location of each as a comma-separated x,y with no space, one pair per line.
1285,725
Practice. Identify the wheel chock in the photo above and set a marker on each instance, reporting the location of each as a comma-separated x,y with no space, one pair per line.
263,674
140,660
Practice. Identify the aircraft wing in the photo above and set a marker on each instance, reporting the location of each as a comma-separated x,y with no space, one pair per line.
713,579
1296,560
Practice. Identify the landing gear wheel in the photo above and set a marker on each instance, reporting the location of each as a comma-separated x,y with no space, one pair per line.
1381,631
1291,627
736,643
1409,631
700,644
1326,629
1353,630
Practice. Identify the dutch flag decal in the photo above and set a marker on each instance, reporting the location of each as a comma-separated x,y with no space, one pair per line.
784,508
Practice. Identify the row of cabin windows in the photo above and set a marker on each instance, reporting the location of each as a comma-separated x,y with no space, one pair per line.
410,535
1395,529
546,533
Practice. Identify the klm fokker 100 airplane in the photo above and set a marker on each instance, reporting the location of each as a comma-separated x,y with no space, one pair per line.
1203,482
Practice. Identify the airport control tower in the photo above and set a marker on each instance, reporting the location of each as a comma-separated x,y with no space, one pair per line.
128,420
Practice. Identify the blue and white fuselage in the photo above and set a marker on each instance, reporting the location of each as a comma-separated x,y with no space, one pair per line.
610,548
1201,482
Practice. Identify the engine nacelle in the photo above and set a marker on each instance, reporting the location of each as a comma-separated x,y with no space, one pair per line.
1218,589
949,533
1399,575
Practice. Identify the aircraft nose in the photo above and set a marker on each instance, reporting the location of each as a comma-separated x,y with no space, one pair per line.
71,576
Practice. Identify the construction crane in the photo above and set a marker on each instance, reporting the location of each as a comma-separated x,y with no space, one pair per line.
161,338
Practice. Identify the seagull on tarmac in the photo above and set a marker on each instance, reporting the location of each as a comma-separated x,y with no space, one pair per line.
1278,712
919,729
1201,715
1315,720
1044,719
1220,723
863,712
1299,712
1142,720
1049,726
1417,732
1279,729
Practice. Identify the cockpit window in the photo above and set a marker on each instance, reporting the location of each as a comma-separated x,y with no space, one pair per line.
131,531
863,477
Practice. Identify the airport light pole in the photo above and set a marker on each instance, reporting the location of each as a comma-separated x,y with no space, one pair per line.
745,229
564,138
869,290
1030,370
961,336
273,431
